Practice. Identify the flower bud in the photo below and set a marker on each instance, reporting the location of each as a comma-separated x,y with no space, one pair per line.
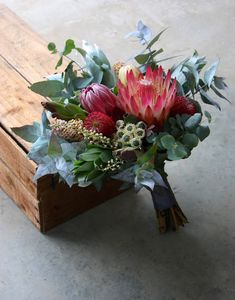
99,98
123,72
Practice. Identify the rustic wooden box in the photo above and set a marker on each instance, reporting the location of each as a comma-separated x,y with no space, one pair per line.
24,59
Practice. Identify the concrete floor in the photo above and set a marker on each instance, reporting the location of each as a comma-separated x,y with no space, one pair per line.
114,252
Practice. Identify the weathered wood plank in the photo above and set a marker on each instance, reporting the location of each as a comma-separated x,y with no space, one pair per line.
14,157
23,48
19,106
17,191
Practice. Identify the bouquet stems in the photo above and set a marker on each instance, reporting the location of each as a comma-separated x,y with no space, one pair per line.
169,214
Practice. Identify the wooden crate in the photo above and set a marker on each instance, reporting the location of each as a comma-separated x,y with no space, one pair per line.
24,59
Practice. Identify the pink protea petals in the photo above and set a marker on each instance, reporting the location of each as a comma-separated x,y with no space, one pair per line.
148,97
99,98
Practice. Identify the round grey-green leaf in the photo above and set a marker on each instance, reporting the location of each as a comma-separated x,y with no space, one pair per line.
168,141
193,121
190,140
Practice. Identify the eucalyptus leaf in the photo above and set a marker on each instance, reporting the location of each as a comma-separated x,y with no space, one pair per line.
46,168
29,133
208,115
177,152
193,121
220,83
143,58
69,46
210,73
128,175
190,139
155,39
168,141
52,47
82,82
50,88
59,63
54,147
202,132
218,93
208,99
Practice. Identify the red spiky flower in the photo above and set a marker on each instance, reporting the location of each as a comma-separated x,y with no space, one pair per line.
100,123
149,97
182,105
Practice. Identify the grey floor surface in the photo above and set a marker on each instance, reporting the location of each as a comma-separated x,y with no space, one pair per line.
114,252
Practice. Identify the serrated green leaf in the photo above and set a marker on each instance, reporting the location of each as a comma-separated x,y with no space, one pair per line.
29,133
50,88
193,121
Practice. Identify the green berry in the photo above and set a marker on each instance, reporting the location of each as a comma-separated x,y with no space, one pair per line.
140,133
120,133
136,143
120,124
141,125
126,138
130,127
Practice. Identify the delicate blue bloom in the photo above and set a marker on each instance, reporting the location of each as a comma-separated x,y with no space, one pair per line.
143,33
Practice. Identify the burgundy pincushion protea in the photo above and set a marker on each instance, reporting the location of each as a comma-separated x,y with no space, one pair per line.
100,123
98,97
183,105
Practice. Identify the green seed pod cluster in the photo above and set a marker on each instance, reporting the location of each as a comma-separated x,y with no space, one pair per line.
129,135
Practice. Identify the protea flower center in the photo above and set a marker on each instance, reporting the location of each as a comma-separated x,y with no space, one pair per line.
149,97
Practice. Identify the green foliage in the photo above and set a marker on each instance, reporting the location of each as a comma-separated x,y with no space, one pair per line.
190,82
155,39
202,132
29,133
210,73
65,111
168,141
193,121
54,147
88,168
50,88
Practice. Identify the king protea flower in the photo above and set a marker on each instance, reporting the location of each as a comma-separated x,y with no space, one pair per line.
97,97
150,97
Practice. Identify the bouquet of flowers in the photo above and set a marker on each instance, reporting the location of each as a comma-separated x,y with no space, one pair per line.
123,121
